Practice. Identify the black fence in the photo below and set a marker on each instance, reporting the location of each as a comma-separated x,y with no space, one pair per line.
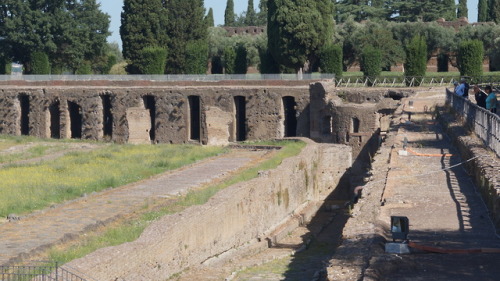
40,271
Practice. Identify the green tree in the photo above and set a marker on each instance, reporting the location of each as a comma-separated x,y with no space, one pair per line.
229,60
38,64
229,16
331,60
209,19
360,10
494,8
371,59
5,65
416,59
152,60
426,11
142,25
482,11
296,30
251,15
196,57
267,62
470,58
186,24
240,60
462,10
262,14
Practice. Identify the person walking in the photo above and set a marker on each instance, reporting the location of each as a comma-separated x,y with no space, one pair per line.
491,100
480,96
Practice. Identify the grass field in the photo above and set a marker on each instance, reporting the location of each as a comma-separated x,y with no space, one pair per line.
28,187
130,229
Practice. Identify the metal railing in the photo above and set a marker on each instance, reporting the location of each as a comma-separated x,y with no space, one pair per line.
168,78
401,81
486,125
41,271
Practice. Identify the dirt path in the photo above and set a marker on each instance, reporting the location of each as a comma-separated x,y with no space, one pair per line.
51,226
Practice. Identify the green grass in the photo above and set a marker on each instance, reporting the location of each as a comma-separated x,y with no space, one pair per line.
24,188
131,229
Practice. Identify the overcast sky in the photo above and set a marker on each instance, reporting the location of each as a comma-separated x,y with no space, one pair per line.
114,9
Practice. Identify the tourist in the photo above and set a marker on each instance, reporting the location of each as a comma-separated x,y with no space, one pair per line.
480,96
460,88
491,100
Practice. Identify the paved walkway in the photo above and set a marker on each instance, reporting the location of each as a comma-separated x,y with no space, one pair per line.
53,225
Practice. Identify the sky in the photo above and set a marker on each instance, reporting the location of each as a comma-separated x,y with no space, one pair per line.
114,9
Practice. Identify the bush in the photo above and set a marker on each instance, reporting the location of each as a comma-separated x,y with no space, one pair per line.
371,62
470,58
331,59
5,65
416,59
84,69
152,60
240,61
196,57
228,60
39,63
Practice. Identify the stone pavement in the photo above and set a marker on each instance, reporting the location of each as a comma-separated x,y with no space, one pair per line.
53,225
429,186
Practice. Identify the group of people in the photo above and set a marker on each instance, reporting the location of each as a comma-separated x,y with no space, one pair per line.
484,98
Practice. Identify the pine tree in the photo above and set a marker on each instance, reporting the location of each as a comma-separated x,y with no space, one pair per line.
143,25
251,16
185,25
229,16
462,9
482,11
296,30
209,19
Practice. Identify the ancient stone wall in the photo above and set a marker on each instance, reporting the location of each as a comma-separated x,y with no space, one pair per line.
166,114
243,214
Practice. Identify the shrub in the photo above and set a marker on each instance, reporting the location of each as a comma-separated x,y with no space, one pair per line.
331,59
39,63
470,58
152,60
196,57
267,63
240,61
5,65
228,60
84,69
416,60
371,62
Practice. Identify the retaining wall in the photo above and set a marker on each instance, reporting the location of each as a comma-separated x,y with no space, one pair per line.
245,213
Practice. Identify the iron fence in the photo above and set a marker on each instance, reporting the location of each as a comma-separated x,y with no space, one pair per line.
401,81
485,124
41,271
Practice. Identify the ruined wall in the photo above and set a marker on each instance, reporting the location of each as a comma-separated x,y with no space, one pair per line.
163,114
242,214
353,117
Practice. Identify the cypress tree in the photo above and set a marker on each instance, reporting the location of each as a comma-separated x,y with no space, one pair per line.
494,9
142,25
186,24
482,11
462,9
296,29
470,58
416,59
209,19
251,16
241,61
229,16
371,62
331,60
228,60
196,57
262,14
152,60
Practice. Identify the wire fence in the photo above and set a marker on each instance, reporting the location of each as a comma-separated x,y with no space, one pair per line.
41,271
485,124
